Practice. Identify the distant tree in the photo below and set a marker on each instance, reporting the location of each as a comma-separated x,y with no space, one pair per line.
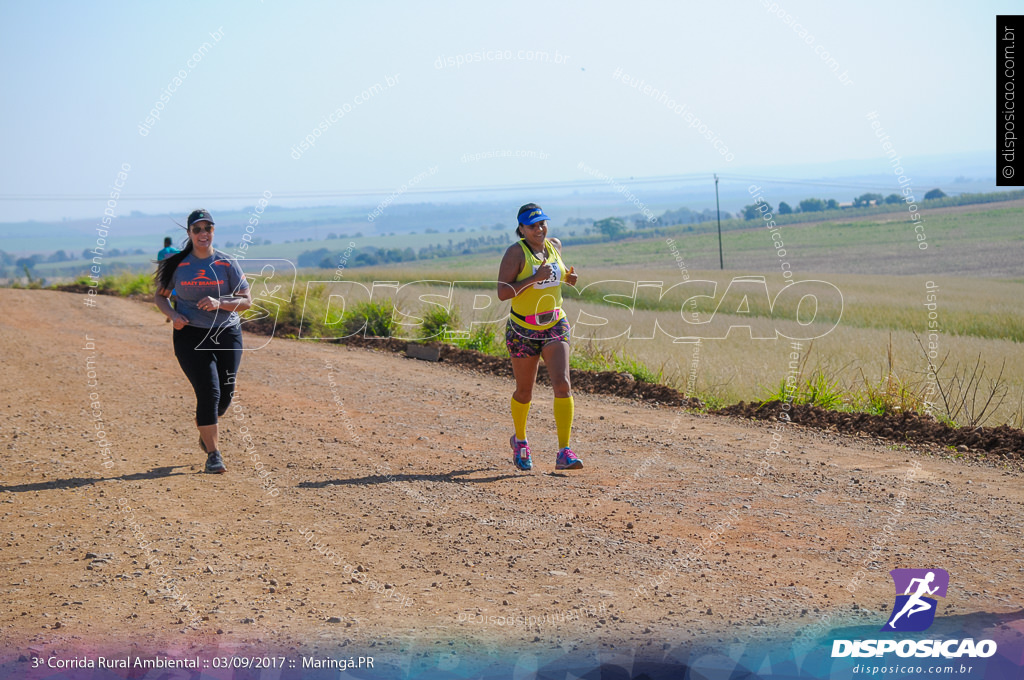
583,221
313,258
611,227
499,227
864,200
59,256
428,230
784,208
831,204
331,236
812,205
752,212
893,198
933,194
25,263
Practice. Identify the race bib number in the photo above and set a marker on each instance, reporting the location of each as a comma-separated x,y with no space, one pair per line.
553,280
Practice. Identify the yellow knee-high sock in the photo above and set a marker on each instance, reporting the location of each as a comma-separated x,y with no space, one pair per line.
519,413
565,408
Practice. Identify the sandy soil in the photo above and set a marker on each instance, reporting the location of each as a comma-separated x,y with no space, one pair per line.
400,471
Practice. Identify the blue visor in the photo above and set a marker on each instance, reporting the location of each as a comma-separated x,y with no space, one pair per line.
533,216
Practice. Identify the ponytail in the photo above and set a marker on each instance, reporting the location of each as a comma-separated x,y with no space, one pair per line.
165,268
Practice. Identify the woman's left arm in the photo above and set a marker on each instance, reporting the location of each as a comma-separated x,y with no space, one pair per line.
239,302
570,275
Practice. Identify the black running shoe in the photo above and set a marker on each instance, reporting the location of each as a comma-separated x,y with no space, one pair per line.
214,463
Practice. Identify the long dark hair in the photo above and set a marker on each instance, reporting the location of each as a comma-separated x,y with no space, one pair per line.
165,268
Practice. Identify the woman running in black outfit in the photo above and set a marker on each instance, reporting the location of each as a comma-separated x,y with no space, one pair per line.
210,289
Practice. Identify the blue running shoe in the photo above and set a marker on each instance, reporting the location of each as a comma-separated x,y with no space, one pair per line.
215,464
567,460
520,454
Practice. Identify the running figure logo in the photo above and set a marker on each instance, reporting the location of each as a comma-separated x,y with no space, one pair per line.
914,610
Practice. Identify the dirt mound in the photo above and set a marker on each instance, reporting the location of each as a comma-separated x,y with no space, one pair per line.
589,382
1003,441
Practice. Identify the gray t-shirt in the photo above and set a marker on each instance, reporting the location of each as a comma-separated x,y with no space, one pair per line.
216,276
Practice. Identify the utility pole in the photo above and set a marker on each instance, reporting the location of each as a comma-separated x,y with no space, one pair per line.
718,209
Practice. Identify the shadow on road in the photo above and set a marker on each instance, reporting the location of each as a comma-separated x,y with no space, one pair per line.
458,476
75,482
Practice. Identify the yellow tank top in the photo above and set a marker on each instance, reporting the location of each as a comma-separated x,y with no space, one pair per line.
543,296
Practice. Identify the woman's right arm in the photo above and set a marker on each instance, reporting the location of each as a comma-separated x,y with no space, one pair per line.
511,264
163,303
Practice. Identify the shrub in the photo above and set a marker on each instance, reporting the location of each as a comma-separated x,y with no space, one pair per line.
482,339
640,371
438,323
371,319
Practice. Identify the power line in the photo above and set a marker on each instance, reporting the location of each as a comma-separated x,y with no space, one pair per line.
806,182
568,184
532,186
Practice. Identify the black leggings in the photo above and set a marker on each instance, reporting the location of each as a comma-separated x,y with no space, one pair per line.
210,366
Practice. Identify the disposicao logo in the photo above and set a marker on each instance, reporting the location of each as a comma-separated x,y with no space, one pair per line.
914,611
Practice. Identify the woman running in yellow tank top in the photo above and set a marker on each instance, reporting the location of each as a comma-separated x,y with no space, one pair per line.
531,276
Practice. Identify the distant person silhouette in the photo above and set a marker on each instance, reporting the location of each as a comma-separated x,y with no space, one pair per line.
915,604
167,250
165,253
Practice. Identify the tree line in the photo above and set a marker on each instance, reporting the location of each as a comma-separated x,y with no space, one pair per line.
752,212
369,256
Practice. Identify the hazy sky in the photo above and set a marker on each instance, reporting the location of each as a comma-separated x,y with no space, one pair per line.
80,78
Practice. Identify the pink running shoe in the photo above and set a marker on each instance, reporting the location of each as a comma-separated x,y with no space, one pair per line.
567,460
520,454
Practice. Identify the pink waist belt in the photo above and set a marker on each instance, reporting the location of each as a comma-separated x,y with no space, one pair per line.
538,319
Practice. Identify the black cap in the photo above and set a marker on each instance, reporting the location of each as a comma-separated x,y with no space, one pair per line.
199,216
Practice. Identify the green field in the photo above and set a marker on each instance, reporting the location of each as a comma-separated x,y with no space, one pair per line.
983,240
971,262
971,266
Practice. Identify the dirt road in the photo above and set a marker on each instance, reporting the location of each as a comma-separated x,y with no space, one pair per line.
390,513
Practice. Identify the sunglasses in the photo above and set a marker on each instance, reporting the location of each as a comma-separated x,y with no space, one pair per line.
197,229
